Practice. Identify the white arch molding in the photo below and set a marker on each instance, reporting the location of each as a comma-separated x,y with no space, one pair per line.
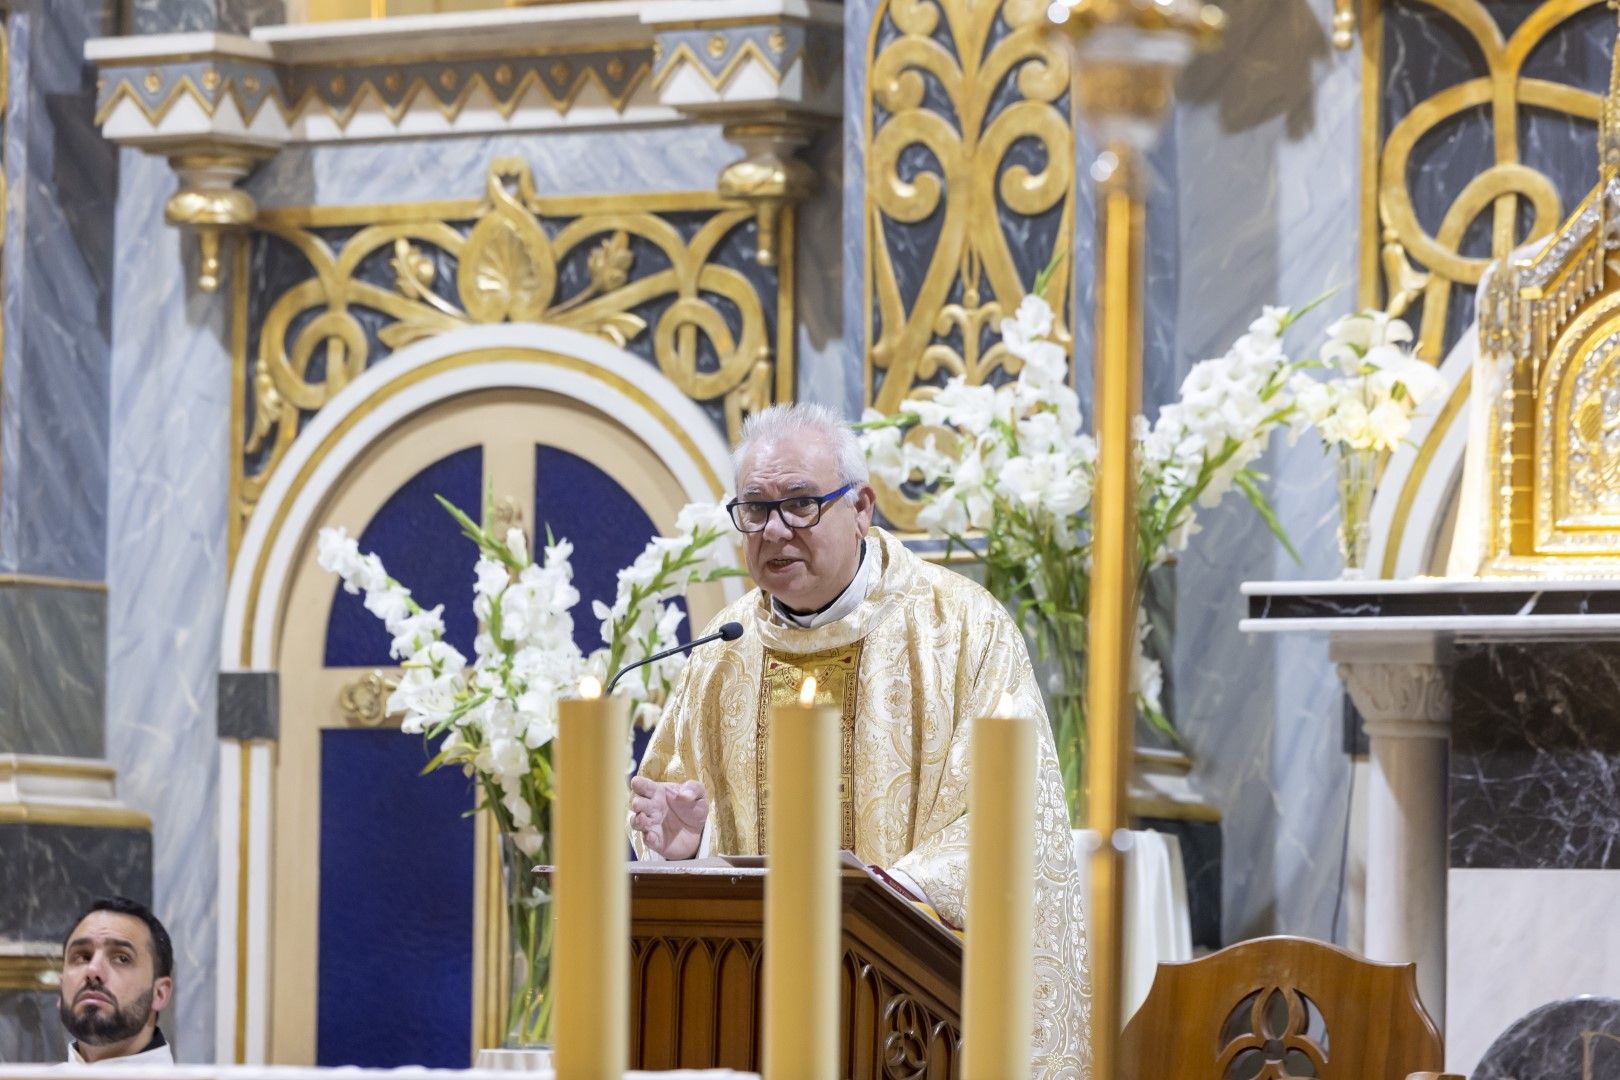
515,356
1420,480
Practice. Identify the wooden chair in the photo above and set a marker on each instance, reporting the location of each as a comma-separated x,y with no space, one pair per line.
1281,1007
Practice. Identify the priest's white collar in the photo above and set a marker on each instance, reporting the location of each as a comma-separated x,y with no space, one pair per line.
847,601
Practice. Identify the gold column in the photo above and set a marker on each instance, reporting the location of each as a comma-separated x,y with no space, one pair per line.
1128,54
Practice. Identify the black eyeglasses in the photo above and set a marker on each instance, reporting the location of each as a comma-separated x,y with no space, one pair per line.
799,512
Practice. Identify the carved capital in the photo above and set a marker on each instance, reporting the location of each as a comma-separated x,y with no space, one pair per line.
1410,700
209,202
771,177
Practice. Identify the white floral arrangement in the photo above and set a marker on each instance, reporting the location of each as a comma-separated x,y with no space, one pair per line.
1375,384
1011,463
497,716
644,619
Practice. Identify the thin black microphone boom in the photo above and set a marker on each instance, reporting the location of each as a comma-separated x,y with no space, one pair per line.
730,631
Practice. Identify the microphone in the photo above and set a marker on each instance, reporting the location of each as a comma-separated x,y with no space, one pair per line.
730,631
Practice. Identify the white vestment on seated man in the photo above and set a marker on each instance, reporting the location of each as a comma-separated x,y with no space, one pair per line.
922,654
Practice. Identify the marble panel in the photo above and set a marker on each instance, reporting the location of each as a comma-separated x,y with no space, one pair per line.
170,439
1201,862
225,16
53,662
249,705
29,1029
825,368
1373,604
49,873
1535,756
19,32
857,39
1266,133
685,158
58,259
1517,940
1578,1038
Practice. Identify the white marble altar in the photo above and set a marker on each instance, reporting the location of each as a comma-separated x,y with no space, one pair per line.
1485,703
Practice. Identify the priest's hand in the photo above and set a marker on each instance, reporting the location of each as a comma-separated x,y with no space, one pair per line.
669,817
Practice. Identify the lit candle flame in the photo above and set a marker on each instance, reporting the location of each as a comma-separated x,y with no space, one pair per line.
590,688
807,692
1005,707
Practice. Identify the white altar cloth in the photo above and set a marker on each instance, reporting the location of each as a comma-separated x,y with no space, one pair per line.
1158,923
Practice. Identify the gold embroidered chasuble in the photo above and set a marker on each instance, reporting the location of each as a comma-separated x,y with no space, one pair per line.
926,652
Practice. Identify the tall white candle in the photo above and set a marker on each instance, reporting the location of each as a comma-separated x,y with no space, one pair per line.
998,999
803,954
591,888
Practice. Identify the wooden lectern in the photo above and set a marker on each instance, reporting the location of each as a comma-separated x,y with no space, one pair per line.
696,939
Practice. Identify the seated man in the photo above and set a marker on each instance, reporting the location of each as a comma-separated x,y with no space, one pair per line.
117,976
912,652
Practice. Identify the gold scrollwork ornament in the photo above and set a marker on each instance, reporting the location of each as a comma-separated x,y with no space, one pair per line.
507,269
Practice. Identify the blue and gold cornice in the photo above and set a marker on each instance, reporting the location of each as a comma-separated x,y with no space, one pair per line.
716,54
295,92
767,71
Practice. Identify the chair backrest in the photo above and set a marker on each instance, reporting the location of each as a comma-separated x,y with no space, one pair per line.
1281,1007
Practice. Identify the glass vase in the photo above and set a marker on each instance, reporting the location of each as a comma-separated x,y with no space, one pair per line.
529,930
1059,651
1357,475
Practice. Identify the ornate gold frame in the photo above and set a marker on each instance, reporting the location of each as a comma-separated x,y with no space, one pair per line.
971,257
508,272
1390,233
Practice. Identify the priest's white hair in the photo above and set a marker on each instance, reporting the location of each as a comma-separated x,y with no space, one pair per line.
796,422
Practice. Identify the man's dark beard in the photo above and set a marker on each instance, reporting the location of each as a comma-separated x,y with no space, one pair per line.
102,1026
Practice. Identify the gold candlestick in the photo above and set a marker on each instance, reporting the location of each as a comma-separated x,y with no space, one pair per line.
802,947
591,888
998,998
1128,54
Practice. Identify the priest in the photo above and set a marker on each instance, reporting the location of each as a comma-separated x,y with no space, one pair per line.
911,653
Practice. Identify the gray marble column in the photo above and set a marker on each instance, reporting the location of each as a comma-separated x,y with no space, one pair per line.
64,836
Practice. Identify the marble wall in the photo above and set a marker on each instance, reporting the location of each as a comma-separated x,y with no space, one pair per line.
1535,750
169,437
61,177
29,1029
1266,137
177,16
53,663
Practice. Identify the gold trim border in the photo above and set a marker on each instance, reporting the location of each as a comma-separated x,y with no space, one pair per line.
43,581
27,812
243,840
26,765
41,974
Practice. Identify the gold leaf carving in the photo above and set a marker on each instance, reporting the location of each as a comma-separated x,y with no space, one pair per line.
711,338
981,188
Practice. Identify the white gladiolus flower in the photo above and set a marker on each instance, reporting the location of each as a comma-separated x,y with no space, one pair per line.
517,544
492,577
416,632
391,605
1387,424
702,517
1032,323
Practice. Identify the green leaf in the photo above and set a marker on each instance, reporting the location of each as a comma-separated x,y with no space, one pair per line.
1044,278
1296,314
